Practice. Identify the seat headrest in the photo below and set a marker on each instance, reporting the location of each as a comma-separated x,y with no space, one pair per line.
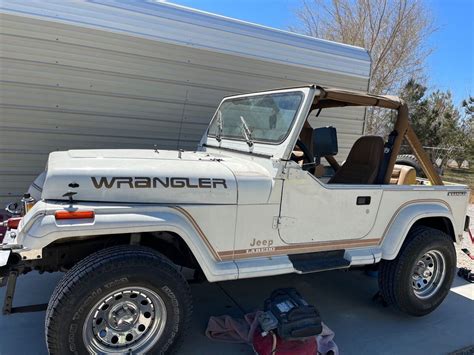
363,162
365,149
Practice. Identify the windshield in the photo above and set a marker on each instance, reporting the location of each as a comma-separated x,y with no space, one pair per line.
261,118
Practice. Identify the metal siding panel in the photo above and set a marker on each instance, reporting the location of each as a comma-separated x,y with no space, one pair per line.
131,65
66,86
178,25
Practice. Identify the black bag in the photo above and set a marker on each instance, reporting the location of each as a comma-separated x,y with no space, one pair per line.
296,318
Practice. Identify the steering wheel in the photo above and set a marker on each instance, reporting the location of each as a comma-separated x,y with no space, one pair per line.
307,156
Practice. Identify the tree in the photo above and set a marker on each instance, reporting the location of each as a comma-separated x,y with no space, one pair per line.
393,31
437,122
426,126
468,106
468,127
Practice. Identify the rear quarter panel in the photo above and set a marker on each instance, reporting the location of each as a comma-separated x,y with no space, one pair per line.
402,206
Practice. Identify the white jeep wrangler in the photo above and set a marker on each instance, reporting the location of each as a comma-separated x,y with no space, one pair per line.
254,200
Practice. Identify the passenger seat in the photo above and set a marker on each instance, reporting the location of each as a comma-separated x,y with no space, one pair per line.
403,175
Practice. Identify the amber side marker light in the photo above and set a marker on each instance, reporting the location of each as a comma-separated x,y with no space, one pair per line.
74,215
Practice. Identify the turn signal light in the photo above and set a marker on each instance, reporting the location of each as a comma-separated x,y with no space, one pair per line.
74,215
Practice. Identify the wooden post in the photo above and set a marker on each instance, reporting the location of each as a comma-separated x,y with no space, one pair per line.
422,157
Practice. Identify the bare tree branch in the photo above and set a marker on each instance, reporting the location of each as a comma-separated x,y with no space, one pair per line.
393,31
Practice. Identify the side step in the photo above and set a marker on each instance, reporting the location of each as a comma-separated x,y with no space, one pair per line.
320,261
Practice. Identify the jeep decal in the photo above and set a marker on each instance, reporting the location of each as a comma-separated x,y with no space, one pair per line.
153,182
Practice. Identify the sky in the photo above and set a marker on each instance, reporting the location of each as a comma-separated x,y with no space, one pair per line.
449,67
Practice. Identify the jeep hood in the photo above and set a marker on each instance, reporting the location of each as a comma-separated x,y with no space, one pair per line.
148,176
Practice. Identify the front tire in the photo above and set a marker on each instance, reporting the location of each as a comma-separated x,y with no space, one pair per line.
123,299
420,277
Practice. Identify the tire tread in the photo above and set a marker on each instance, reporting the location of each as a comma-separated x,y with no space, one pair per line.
90,265
390,272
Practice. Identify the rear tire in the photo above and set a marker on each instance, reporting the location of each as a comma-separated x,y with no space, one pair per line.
420,277
122,299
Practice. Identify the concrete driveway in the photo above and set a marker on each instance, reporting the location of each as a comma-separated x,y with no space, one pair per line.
343,298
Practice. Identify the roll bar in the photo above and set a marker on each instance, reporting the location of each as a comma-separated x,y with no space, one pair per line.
331,97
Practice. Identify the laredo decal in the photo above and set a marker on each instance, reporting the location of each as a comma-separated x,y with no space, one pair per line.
260,246
148,183
457,193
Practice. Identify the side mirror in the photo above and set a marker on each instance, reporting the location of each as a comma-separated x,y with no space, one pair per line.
324,142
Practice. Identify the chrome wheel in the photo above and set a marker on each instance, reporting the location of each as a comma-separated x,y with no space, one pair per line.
428,274
128,320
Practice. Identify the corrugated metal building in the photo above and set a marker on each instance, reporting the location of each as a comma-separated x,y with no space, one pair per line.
134,74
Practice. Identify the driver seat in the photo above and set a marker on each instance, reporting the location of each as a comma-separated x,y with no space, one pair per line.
363,162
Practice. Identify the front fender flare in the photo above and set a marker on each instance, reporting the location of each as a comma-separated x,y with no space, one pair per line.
404,219
44,229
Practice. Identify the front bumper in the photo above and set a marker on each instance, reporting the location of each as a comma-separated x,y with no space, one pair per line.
7,259
4,269
4,255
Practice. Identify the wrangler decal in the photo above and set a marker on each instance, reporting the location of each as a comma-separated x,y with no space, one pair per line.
154,182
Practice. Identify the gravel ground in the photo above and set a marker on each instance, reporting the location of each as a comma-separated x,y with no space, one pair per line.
463,259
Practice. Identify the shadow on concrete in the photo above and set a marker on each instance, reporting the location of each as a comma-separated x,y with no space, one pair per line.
344,300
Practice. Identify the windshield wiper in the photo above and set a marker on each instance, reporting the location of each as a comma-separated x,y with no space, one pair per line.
220,126
247,132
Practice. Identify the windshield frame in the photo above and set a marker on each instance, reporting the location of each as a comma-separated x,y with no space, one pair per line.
299,91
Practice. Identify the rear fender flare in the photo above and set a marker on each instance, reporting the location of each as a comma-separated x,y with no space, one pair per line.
402,222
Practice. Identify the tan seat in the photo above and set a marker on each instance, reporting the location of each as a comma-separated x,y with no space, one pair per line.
403,175
363,162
